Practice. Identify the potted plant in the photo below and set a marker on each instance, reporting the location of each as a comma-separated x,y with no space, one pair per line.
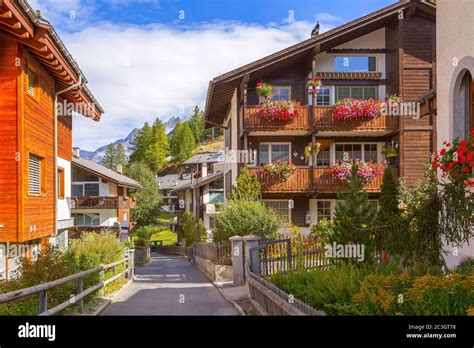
309,150
278,169
366,171
390,149
264,90
352,109
314,85
456,160
281,110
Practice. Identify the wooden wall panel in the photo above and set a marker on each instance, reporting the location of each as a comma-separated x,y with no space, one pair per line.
39,211
65,137
392,58
8,138
416,154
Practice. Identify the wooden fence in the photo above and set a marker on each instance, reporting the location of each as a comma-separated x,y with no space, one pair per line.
224,253
78,298
286,254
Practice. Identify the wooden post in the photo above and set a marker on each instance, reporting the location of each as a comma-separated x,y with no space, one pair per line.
101,280
79,286
288,251
43,301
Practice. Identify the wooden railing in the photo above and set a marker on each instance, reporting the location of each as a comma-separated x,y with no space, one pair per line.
323,119
105,202
324,181
299,181
78,298
254,121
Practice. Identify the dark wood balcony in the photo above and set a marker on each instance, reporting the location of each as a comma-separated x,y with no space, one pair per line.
323,120
112,202
255,122
298,182
324,181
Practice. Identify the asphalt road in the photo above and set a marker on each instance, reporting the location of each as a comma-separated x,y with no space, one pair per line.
170,285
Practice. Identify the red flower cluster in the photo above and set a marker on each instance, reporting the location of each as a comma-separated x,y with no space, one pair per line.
281,110
456,160
351,109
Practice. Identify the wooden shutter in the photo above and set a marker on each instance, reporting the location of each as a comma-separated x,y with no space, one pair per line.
60,188
31,82
34,174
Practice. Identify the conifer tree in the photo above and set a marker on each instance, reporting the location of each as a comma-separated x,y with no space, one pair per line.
388,216
140,143
121,159
247,187
354,216
158,149
110,157
196,123
182,143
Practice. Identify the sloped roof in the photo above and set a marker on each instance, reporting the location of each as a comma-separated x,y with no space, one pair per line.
206,157
104,172
200,182
222,87
170,181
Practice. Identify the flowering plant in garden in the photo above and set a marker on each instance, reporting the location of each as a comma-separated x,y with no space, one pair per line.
456,160
281,110
279,168
264,90
366,171
351,109
314,85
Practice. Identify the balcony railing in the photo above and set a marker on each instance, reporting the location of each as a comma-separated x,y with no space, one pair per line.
103,202
322,119
301,181
298,182
254,121
324,181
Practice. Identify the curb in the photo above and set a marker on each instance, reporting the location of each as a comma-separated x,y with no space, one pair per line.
235,304
112,299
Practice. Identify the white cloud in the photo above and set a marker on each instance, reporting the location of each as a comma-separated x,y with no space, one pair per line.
138,73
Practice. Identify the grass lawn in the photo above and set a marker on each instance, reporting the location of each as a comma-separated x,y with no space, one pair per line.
164,217
167,236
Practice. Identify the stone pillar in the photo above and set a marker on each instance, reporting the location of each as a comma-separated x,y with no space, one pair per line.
237,260
251,242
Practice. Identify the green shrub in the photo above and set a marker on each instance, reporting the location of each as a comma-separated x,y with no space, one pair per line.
324,230
189,229
329,289
141,243
381,294
104,247
466,267
240,218
440,295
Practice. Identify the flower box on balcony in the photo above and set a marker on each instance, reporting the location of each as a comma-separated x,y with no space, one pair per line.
366,171
354,109
278,169
281,110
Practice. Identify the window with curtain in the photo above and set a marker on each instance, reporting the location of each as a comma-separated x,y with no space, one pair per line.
323,158
354,151
274,152
324,210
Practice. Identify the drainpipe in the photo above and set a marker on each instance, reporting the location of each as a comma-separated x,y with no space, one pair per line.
79,84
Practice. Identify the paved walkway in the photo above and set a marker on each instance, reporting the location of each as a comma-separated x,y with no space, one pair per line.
170,285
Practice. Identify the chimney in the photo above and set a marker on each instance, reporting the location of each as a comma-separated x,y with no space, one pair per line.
119,168
76,152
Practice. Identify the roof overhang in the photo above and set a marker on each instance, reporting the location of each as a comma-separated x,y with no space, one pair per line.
102,175
18,19
221,88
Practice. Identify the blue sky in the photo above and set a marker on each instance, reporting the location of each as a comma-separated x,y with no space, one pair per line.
154,58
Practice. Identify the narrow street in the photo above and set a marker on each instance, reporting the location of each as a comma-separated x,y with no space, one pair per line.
170,285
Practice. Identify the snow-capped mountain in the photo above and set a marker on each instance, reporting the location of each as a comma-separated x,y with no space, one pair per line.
98,154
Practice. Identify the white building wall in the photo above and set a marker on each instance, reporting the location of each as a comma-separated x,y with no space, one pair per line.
108,217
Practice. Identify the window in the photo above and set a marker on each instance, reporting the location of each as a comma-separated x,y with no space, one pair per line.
353,64
323,157
212,222
324,96
357,92
85,190
35,174
81,175
353,151
216,191
280,93
370,152
324,210
274,152
32,82
87,219
60,181
280,207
